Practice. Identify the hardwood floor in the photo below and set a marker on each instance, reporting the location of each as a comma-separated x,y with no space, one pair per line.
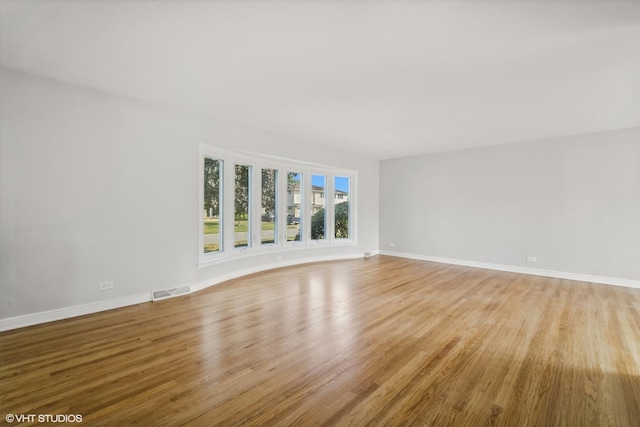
378,341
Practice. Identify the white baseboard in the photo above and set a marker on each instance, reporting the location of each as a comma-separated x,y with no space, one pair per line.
68,312
95,307
525,270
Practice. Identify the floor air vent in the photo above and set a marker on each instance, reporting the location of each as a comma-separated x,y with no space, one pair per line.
170,293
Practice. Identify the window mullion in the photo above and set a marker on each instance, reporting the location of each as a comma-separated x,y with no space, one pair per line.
309,206
229,195
282,205
255,191
329,208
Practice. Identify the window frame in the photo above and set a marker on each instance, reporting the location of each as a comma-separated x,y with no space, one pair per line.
250,207
283,166
310,202
351,207
278,210
221,214
302,207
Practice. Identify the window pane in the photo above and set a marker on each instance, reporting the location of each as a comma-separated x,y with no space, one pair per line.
242,226
294,207
341,202
269,222
212,205
318,217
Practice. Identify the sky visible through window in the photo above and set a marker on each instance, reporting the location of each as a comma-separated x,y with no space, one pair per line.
342,183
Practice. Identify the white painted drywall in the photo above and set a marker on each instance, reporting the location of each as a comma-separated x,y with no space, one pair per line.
572,202
95,187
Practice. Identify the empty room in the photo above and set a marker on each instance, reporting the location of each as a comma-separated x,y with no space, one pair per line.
317,213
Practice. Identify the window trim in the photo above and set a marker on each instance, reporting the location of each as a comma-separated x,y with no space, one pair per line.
303,200
221,211
250,207
277,213
351,208
284,166
325,206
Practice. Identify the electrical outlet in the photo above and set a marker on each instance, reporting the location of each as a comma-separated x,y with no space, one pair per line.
279,257
106,285
392,245
532,259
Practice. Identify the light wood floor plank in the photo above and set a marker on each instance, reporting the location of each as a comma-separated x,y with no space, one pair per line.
378,341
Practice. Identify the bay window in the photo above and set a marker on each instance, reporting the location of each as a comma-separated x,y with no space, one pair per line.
252,203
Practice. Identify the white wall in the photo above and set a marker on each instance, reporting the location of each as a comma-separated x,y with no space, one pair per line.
572,202
95,187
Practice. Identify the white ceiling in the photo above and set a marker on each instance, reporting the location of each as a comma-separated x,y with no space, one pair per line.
390,78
